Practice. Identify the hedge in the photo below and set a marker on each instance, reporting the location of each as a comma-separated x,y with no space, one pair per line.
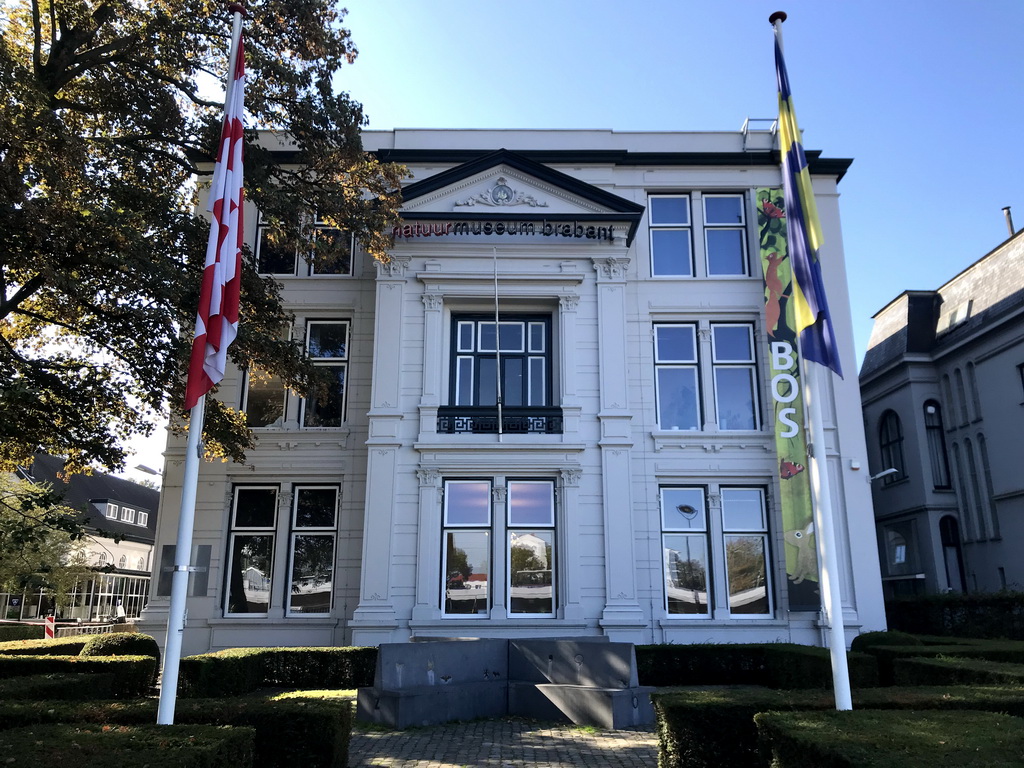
65,686
293,732
946,670
712,728
875,739
133,675
775,665
243,670
153,746
982,615
58,646
21,632
1008,650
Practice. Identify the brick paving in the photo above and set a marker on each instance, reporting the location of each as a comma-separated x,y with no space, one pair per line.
506,743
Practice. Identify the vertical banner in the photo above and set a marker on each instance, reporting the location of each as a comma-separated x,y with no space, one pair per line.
787,404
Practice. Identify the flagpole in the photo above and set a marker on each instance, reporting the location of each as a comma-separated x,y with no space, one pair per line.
178,609
824,520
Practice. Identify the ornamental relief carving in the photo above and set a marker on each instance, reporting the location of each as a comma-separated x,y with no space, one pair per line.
501,195
395,267
611,268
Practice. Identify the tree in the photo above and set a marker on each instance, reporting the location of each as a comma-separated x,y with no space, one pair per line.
103,130
40,540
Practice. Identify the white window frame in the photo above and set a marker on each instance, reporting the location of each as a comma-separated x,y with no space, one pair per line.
236,531
671,226
741,227
244,406
339,362
549,527
667,363
448,526
318,531
749,364
127,515
143,518
112,511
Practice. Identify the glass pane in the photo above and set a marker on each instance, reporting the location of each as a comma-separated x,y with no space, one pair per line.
538,390
264,400
467,502
512,337
537,337
315,507
255,507
466,337
487,338
531,503
670,210
725,252
312,574
514,385
682,509
467,572
332,252
531,587
675,344
723,210
670,250
487,387
732,343
677,398
734,393
686,574
327,411
273,259
748,581
250,576
327,339
742,509
464,382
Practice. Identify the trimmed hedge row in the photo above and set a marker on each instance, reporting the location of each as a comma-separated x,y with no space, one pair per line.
67,687
712,728
1008,650
290,732
153,746
58,646
774,665
874,739
976,615
242,670
945,670
132,675
21,632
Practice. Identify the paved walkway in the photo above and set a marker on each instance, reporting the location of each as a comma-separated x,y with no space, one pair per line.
507,743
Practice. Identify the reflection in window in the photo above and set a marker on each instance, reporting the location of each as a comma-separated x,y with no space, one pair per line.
314,526
936,438
264,399
890,437
327,346
670,236
531,532
466,564
685,544
676,391
745,528
735,376
251,549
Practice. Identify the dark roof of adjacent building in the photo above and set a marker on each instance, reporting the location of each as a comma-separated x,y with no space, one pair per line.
90,495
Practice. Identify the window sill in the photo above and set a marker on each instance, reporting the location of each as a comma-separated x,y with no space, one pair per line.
712,442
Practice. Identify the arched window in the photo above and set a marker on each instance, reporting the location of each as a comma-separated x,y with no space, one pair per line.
989,489
142,564
102,559
975,490
966,513
972,389
122,562
952,556
961,396
936,444
890,438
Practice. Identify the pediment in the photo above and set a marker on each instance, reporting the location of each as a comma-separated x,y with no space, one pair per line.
504,183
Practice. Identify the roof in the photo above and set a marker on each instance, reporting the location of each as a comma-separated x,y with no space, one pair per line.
91,493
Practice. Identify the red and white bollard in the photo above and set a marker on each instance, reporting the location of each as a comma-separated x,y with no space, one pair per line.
50,627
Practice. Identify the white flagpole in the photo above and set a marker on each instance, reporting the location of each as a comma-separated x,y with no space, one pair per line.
178,609
497,344
824,520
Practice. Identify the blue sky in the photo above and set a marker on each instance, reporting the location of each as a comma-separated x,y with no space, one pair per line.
924,96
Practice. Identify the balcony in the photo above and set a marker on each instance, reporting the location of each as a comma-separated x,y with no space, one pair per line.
483,420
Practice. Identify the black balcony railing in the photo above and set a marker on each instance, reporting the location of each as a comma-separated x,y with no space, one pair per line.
483,420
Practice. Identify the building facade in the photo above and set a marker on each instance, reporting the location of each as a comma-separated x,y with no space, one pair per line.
550,414
943,389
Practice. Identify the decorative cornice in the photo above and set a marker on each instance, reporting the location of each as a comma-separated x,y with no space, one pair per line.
394,268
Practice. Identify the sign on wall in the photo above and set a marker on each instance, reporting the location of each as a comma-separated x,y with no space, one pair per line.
787,401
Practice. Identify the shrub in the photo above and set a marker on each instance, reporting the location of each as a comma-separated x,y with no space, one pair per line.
1009,651
98,746
308,732
945,670
873,739
712,728
871,639
123,644
58,646
983,615
133,675
21,632
63,686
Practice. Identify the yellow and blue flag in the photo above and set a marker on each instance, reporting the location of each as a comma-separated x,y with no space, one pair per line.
813,322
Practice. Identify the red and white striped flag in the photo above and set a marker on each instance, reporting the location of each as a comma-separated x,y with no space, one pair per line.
217,319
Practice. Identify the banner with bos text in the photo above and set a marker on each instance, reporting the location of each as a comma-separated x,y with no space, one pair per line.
787,406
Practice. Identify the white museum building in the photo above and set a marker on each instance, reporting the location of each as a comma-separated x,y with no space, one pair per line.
552,414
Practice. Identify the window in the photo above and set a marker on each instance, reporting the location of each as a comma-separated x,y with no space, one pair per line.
720,231
314,530
273,258
264,399
122,562
329,252
936,445
890,437
143,518
101,559
251,550
529,530
521,343
127,515
900,548
975,490
990,491
112,511
141,564
670,236
692,539
725,235
327,346
733,376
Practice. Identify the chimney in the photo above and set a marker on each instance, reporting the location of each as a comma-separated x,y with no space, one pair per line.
1009,220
